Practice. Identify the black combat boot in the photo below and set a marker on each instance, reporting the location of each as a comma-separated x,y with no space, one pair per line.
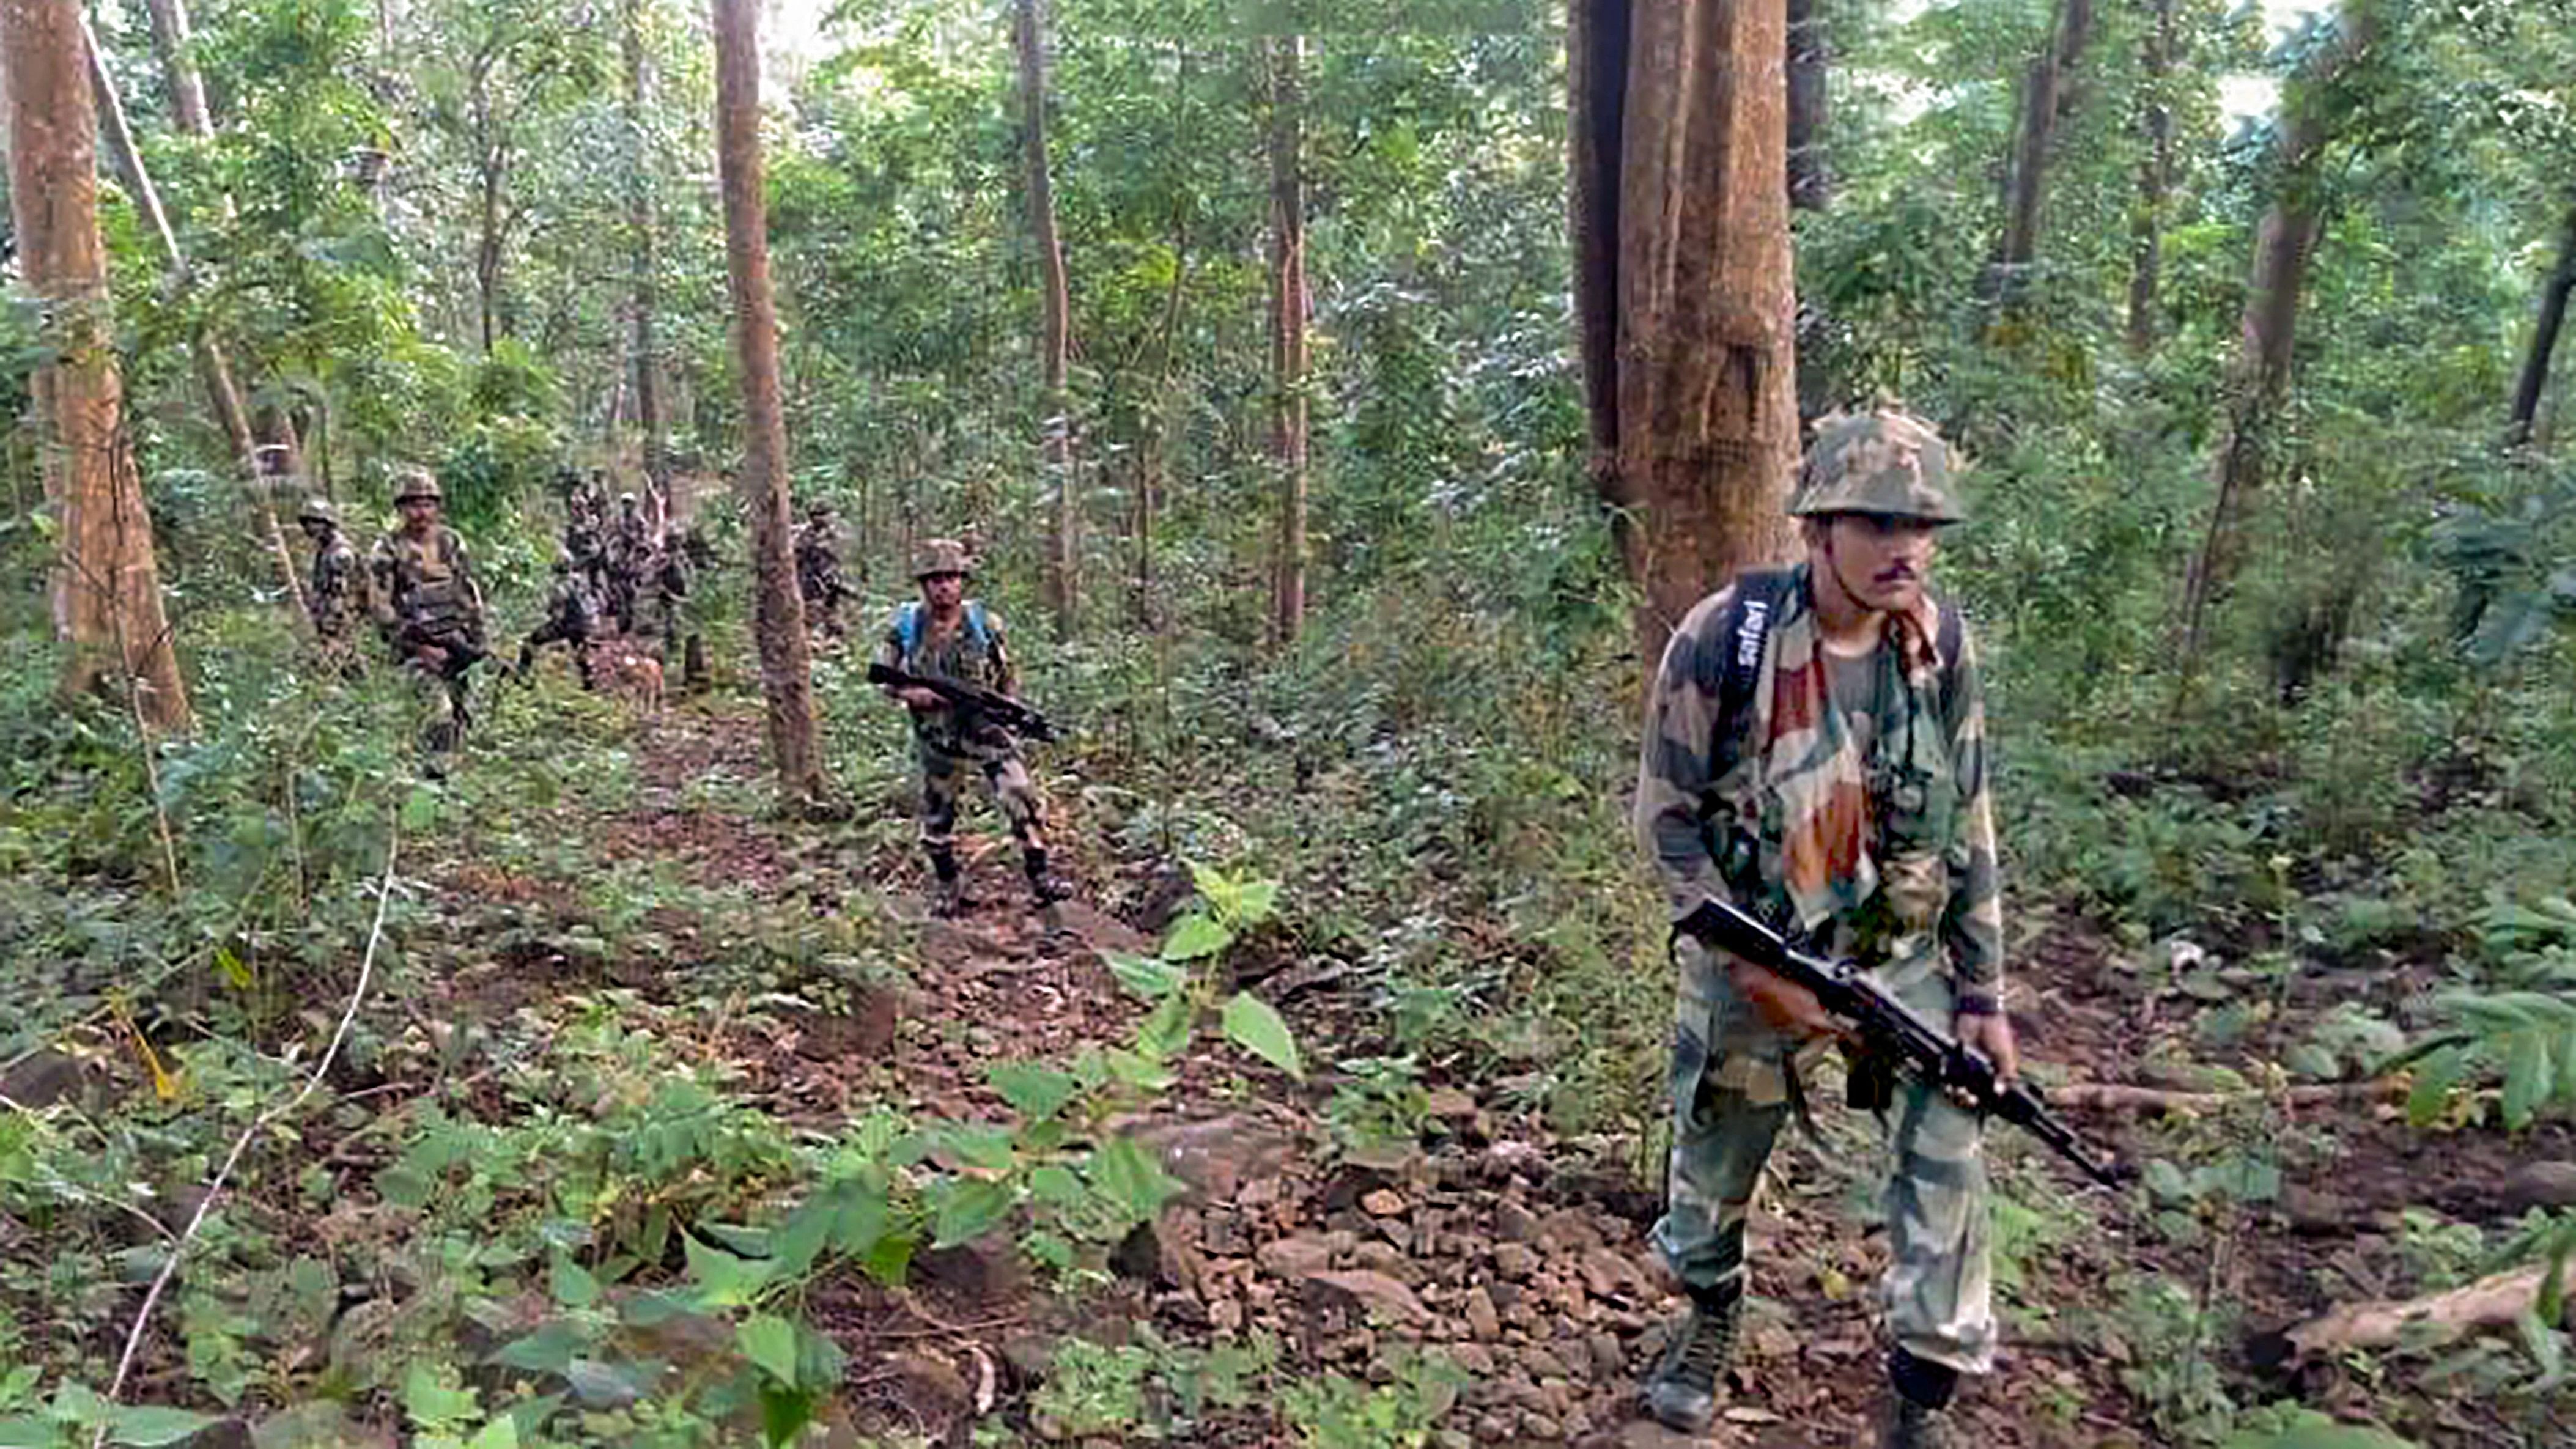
1681,1394
1917,1414
948,889
1042,882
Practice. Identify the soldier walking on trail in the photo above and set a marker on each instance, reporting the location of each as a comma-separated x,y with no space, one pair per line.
335,585
818,568
572,617
427,605
627,544
946,635
661,602
1815,753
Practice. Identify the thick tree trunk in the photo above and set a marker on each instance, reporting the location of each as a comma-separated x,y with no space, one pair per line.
2258,379
2155,179
222,394
1288,352
778,626
646,301
2544,338
107,590
1811,184
2041,97
1682,284
1064,540
170,41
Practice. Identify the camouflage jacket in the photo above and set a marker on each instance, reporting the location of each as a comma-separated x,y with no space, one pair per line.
572,607
964,655
1922,888
424,591
661,594
338,589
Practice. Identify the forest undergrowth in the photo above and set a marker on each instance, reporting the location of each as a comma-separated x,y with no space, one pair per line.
1329,1116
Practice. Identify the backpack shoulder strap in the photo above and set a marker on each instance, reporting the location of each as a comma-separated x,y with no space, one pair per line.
975,625
1948,634
1749,617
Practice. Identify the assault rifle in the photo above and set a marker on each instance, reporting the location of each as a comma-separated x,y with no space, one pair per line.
1891,1031
970,701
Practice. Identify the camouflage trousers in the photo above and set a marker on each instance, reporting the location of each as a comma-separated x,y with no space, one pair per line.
1731,1086
943,775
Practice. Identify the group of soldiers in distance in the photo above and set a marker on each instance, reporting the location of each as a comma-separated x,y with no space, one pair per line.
622,575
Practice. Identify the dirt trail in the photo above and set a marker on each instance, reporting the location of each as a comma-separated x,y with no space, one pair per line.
1516,1258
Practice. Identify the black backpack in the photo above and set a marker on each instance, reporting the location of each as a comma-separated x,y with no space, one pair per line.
1759,595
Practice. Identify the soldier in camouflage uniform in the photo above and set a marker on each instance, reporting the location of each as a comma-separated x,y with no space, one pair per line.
627,545
1846,799
427,605
944,634
818,568
335,585
661,602
572,617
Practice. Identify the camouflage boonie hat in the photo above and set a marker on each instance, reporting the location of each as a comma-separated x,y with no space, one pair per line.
1886,462
941,556
413,483
317,510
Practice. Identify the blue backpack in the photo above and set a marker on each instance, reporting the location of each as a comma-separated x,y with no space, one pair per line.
911,619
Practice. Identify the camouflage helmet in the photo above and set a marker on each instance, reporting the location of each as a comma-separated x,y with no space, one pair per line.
411,483
941,556
318,510
1886,461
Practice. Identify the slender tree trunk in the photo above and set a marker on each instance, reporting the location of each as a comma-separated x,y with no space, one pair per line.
2041,97
647,286
222,395
1682,285
2544,338
779,614
170,40
106,587
2155,179
1288,333
1811,184
2258,379
1064,542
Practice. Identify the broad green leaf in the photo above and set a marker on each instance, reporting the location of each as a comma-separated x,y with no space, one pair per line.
1260,899
2434,1078
28,1432
429,1402
1136,1070
1133,1179
724,1281
800,1239
1193,936
419,810
550,1349
784,1413
2316,1431
1257,1027
572,1283
1055,1185
1035,1091
146,1425
605,1385
969,1207
860,1222
1221,891
890,1258
2527,1077
976,1144
769,1341
501,1433
1165,1032
1148,977
2166,1181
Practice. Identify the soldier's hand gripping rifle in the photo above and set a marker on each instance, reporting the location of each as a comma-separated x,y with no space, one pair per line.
967,699
1892,1031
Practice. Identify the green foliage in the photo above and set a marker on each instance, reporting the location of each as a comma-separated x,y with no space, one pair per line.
1339,1413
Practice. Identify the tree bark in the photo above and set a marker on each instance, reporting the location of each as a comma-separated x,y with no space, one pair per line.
1288,351
1811,183
2155,179
223,396
2258,378
1064,544
1682,286
2040,104
646,300
786,682
2544,338
170,41
106,586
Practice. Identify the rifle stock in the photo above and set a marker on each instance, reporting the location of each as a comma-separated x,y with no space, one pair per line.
1893,1030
